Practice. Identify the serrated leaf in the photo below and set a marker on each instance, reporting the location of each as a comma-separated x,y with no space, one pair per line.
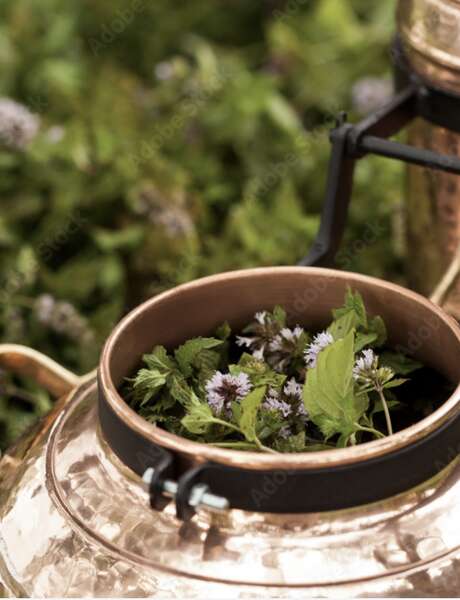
249,407
199,417
353,303
207,362
328,393
186,354
159,359
147,384
179,389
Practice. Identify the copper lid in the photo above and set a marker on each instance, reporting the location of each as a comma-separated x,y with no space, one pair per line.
430,32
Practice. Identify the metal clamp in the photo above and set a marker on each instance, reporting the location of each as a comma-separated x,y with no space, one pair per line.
186,503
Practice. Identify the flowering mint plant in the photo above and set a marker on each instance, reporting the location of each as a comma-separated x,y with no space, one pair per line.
276,387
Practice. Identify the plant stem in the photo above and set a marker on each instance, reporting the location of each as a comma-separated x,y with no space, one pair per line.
385,409
264,448
370,430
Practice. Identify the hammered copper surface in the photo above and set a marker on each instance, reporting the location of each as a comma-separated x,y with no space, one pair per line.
75,522
433,209
430,31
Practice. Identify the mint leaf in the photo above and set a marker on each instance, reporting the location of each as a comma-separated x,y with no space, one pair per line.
378,327
342,326
179,389
258,371
186,354
364,339
399,363
394,383
353,304
200,418
147,384
223,332
249,407
279,316
160,360
294,443
328,393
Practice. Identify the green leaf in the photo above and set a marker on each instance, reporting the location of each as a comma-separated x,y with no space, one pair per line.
147,384
199,417
353,303
394,383
342,326
399,363
364,339
207,362
279,316
160,360
377,326
328,393
294,443
179,389
378,406
249,407
258,371
186,354
224,331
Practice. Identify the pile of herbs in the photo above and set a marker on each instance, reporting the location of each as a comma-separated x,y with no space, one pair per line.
280,389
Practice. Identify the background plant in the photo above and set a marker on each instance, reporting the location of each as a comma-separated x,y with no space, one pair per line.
163,144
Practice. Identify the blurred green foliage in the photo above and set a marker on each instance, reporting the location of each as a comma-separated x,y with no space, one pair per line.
176,140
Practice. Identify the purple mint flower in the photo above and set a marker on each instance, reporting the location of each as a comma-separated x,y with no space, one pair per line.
365,365
294,389
320,341
285,335
18,126
223,389
273,402
285,432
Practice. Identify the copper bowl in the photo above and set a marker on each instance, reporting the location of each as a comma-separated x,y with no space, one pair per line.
308,295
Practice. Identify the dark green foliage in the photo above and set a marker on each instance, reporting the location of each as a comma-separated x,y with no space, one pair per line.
175,141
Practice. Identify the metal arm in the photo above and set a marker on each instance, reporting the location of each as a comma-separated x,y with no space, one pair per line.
352,142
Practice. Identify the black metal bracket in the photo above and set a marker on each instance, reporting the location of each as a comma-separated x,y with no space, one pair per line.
350,143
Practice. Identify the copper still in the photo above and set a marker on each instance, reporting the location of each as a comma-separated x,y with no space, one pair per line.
380,519
97,502
429,33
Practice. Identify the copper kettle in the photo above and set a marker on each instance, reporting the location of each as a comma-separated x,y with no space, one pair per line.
77,521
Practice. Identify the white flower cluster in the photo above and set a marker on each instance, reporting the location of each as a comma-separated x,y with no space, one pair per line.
320,341
18,126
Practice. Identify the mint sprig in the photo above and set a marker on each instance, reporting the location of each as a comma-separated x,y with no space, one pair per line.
277,387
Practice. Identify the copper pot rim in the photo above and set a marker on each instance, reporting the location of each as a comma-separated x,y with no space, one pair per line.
199,452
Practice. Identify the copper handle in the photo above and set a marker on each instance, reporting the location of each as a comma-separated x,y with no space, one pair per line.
45,371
